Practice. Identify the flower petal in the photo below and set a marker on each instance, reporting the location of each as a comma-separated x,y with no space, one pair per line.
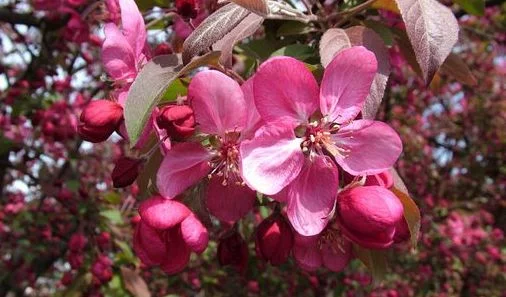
148,245
306,252
229,203
194,234
346,83
178,253
336,259
218,102
162,213
253,119
184,165
372,147
285,90
272,159
117,55
132,25
312,196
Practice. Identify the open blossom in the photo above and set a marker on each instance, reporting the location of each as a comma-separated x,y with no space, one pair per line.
125,50
226,113
329,249
308,129
167,234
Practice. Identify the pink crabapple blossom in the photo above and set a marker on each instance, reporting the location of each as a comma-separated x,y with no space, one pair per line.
224,111
293,154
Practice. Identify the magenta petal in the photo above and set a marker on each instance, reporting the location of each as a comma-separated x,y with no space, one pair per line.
161,213
285,90
336,259
117,54
306,252
148,245
229,203
194,234
372,146
253,119
183,166
346,83
272,159
133,26
312,196
218,102
178,253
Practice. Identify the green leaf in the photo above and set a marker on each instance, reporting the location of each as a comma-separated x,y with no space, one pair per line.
5,145
151,84
126,254
411,211
176,89
112,197
374,260
476,7
113,215
294,28
299,51
148,4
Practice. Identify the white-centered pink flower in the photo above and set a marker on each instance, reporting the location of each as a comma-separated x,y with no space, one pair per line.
225,112
308,129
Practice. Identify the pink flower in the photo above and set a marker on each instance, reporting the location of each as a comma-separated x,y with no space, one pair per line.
225,112
167,234
369,216
124,51
291,152
329,249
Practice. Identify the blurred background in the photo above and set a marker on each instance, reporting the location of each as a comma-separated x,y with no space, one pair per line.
65,231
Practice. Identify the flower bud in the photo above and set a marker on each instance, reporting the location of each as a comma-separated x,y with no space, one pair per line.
187,9
274,239
369,216
178,120
101,269
125,172
99,119
162,49
402,233
233,250
77,242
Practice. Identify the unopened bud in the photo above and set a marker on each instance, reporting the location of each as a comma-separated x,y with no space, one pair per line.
125,172
274,239
233,250
187,9
99,119
162,49
178,120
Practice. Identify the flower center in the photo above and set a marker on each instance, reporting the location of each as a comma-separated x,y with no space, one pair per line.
332,238
317,138
225,163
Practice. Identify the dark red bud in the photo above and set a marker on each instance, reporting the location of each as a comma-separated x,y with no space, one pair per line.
125,172
233,251
99,119
162,49
187,9
178,120
274,239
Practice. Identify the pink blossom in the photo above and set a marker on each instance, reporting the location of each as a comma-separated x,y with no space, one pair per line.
291,152
224,111
329,249
167,234
124,50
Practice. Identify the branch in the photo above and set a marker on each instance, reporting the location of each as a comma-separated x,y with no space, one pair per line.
8,16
